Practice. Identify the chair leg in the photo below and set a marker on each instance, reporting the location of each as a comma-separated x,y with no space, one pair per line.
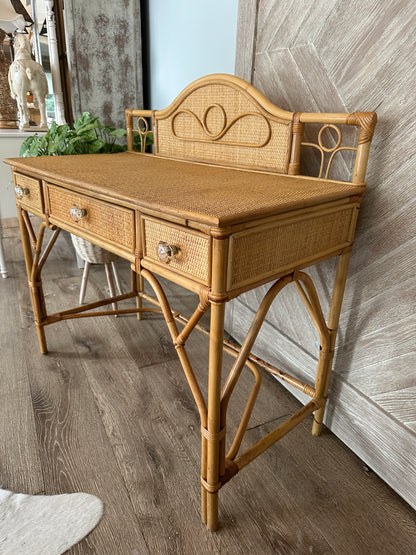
84,282
3,270
116,278
110,282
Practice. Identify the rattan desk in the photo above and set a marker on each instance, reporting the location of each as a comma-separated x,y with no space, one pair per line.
215,230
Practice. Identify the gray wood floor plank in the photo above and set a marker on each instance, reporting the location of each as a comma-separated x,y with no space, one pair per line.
313,475
20,465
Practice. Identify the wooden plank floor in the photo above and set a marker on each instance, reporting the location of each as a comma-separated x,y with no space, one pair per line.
108,411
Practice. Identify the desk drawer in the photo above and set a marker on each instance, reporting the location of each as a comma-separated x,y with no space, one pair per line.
28,192
193,258
92,218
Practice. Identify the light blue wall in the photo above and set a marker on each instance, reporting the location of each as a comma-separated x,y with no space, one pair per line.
188,39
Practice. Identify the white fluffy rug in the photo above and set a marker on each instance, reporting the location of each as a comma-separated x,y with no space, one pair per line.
45,524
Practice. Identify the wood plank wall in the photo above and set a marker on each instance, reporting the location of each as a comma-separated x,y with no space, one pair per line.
346,56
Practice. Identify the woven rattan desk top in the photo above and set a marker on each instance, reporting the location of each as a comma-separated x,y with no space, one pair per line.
208,194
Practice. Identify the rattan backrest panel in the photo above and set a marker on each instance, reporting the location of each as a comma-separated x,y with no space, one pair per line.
219,121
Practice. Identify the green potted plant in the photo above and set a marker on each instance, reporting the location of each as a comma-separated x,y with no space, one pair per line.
87,136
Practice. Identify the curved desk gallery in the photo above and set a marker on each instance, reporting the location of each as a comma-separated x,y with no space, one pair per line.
219,208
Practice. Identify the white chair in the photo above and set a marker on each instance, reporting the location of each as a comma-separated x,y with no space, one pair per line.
92,254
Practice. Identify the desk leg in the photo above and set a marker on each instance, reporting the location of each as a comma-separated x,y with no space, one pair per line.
137,285
212,437
36,291
326,358
140,284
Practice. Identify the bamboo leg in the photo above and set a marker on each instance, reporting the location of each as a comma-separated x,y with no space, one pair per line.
204,493
214,465
35,286
35,280
27,250
84,281
327,355
139,301
213,433
137,284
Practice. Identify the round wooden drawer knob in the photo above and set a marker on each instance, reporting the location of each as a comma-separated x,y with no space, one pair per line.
166,252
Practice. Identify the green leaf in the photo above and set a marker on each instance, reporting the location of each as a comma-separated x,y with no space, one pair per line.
117,133
96,146
83,120
26,146
85,129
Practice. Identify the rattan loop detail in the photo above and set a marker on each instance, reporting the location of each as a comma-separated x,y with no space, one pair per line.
211,488
213,437
339,141
205,123
143,132
224,129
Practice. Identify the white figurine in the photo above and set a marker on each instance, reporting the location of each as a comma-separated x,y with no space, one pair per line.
27,75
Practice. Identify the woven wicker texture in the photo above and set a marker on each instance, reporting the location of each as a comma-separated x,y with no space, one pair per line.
231,130
92,253
33,199
207,194
108,222
193,257
256,253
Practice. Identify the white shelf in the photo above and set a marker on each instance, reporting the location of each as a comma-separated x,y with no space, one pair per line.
16,133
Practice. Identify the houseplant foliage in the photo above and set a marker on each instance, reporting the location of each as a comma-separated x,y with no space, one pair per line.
88,136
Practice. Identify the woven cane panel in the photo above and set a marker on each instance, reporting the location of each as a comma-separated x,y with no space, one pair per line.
219,124
193,258
257,253
34,198
108,222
